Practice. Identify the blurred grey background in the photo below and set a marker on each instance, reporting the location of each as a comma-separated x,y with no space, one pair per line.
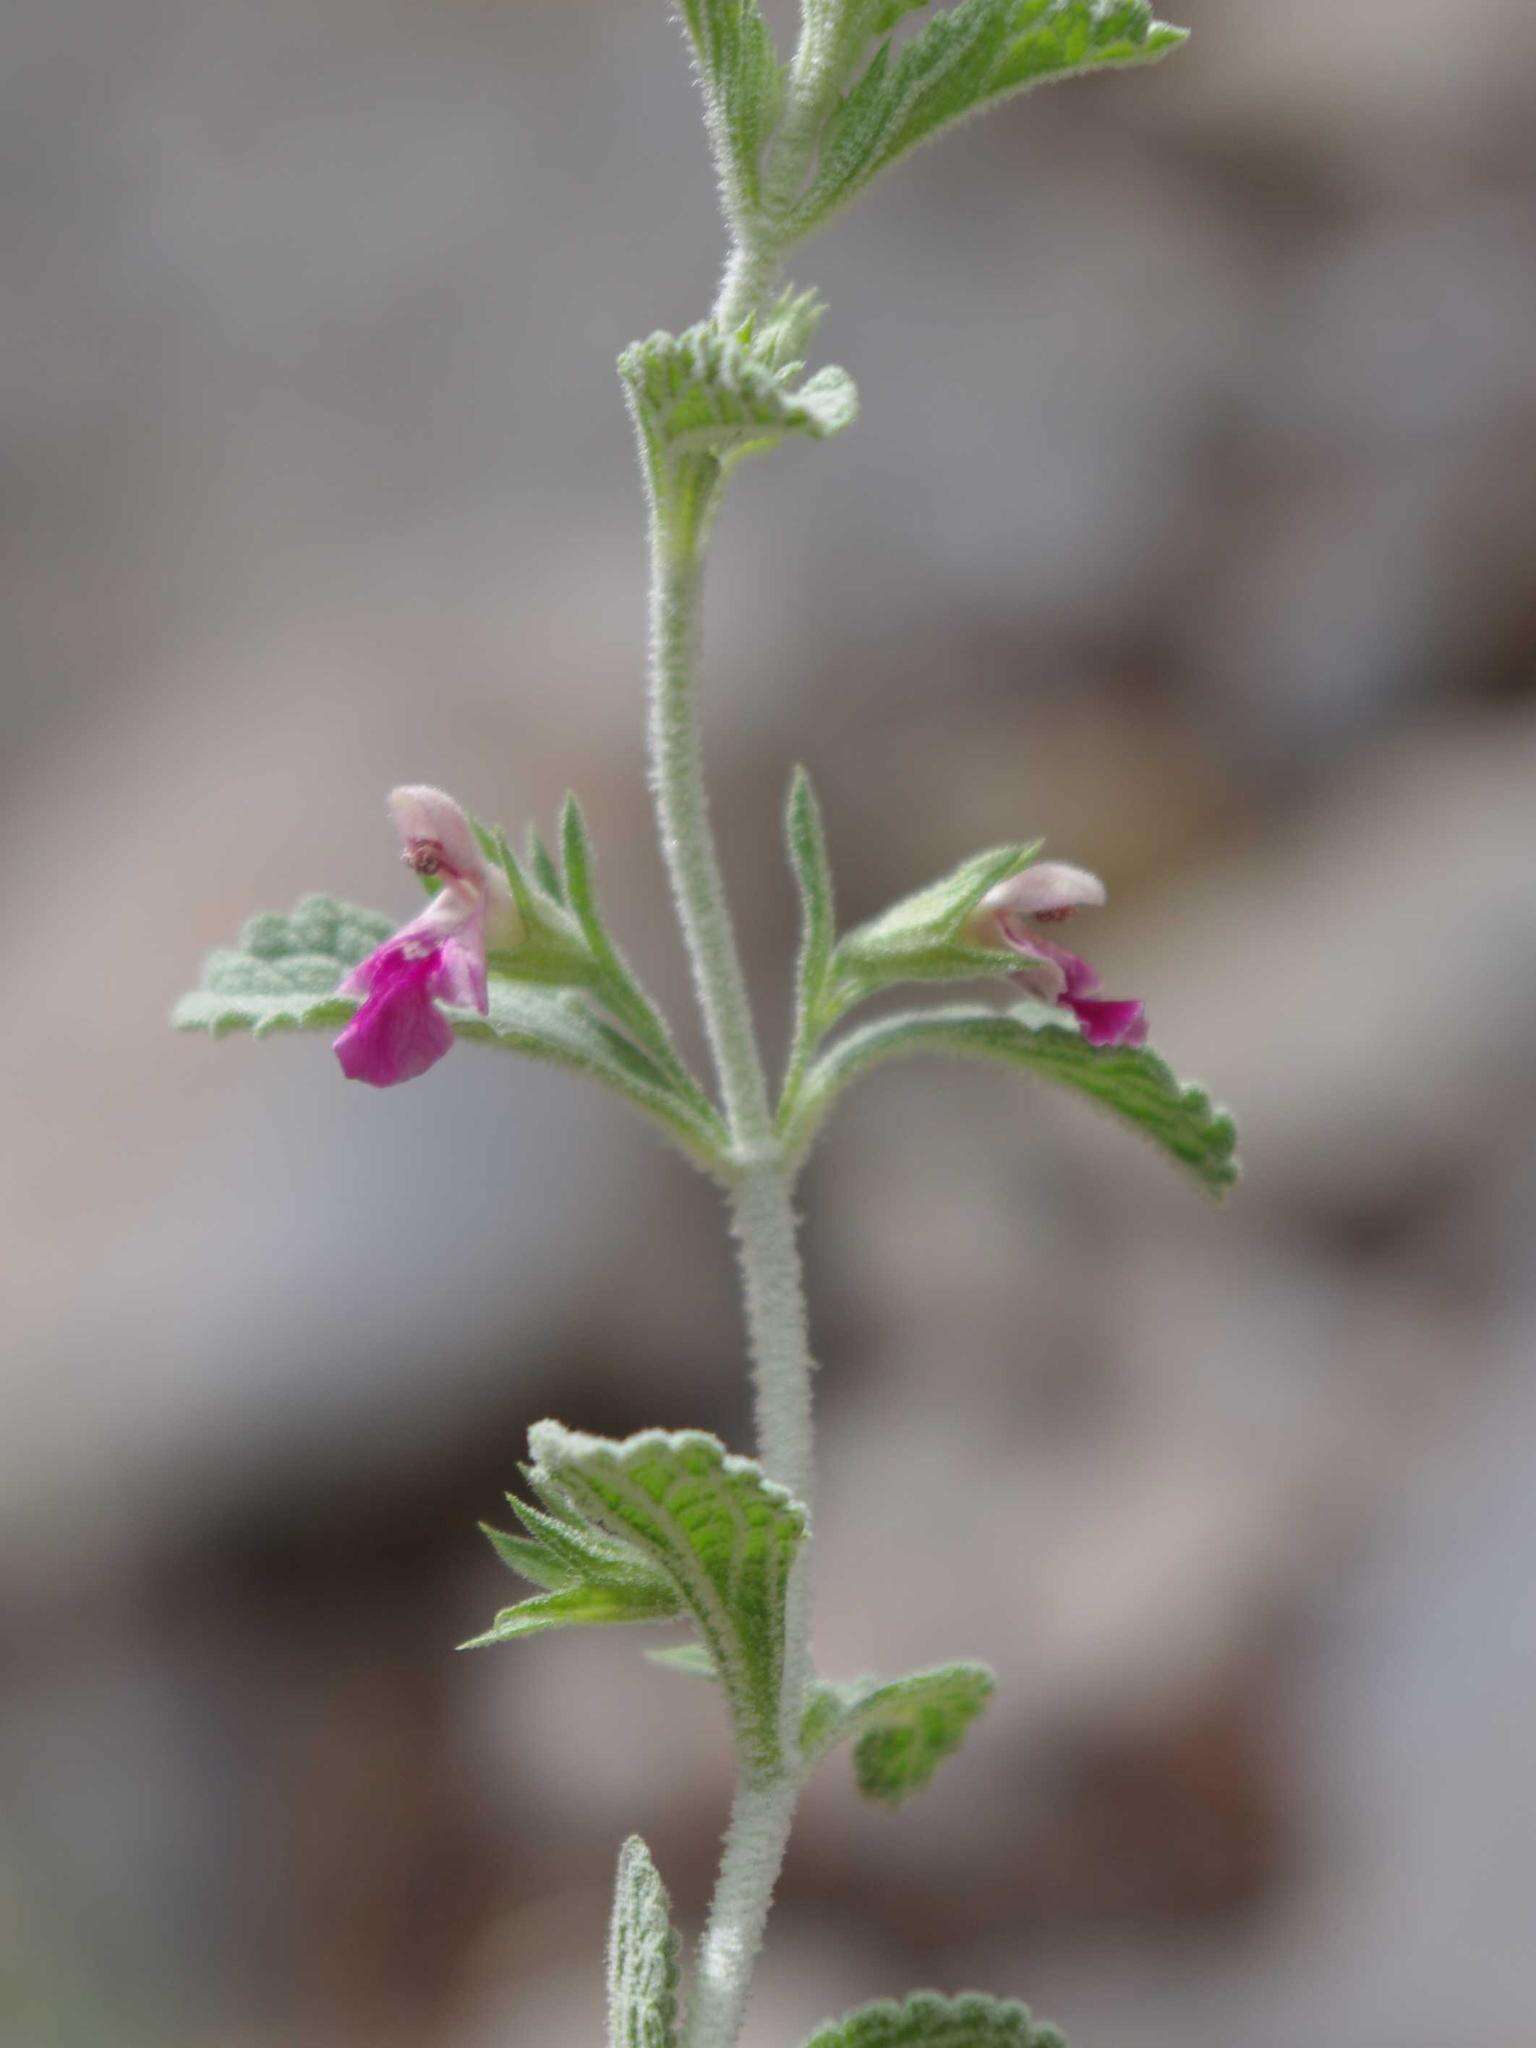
1192,521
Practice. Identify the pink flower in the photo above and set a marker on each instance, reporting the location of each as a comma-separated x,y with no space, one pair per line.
1011,915
438,957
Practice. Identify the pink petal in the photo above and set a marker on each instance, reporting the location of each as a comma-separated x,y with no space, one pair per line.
1111,1021
1038,977
1077,976
460,976
399,1032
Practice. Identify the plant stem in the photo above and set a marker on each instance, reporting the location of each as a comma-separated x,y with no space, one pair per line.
763,1218
751,272
761,1816
688,843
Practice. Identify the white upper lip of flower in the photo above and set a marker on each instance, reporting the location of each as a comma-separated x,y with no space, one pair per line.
422,813
1047,889
429,818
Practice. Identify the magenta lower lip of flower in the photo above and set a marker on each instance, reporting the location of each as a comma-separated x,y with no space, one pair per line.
438,957
399,1032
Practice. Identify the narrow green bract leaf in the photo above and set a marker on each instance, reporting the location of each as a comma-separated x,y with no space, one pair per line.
967,57
573,1607
613,978
590,1581
923,937
643,1952
1129,1080
702,392
888,13
818,928
926,2020
692,1660
721,1536
780,338
530,1559
743,85
543,868
901,1730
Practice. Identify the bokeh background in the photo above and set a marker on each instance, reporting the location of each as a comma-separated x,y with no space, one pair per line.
1191,520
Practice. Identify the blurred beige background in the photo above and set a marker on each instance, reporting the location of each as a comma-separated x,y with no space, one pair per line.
1192,520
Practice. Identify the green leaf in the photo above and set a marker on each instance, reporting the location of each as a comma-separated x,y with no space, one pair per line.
643,1956
923,937
704,393
887,13
542,867
589,1581
282,977
692,1660
743,87
281,973
926,2020
968,57
721,1536
818,926
588,1606
938,77
1130,1081
530,1559
780,338
615,982
552,951
1053,39
901,1730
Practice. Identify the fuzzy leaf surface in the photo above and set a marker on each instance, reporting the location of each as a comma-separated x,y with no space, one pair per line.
901,1730
780,337
1130,1081
721,1536
923,936
704,393
691,1660
743,85
282,976
282,971
818,923
589,1580
966,58
926,2020
643,1956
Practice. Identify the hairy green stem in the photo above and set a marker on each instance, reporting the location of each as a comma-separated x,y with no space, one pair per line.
763,1219
751,272
761,237
761,1817
688,843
